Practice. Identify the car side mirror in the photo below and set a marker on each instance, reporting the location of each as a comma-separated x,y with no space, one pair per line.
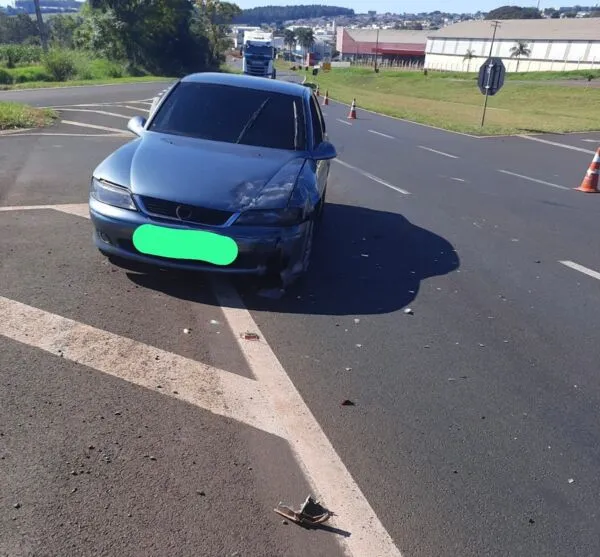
136,125
324,152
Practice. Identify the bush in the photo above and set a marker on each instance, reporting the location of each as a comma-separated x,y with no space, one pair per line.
5,77
30,73
60,65
13,55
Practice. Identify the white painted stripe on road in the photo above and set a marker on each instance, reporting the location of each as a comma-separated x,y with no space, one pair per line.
78,209
382,134
91,86
534,180
581,269
94,126
457,179
343,122
372,177
592,141
131,107
555,144
220,392
102,112
438,152
121,135
322,465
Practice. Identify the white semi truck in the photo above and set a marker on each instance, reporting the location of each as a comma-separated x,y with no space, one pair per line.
259,54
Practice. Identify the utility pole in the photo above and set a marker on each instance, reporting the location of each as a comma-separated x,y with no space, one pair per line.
495,25
40,22
376,49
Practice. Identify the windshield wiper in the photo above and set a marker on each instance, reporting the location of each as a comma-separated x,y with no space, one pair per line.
252,119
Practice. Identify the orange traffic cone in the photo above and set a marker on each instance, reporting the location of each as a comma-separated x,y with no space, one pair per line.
326,99
318,92
352,115
590,182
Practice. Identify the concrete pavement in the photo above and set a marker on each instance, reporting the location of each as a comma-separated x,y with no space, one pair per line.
474,426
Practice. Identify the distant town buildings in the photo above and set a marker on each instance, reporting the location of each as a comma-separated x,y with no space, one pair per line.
46,6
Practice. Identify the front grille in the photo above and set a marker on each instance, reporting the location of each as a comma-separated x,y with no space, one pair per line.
250,260
198,215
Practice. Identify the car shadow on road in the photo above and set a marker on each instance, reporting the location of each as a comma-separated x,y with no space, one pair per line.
364,262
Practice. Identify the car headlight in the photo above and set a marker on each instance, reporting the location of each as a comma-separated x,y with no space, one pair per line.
271,217
108,193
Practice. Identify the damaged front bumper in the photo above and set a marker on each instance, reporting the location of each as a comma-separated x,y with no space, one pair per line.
261,249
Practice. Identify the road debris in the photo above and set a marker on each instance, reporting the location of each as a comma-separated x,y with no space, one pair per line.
348,369
271,293
357,321
359,346
571,480
348,403
214,322
250,336
186,331
17,505
409,311
311,512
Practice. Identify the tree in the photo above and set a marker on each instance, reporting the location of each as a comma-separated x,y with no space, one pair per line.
469,55
215,17
62,30
514,12
289,39
520,49
306,38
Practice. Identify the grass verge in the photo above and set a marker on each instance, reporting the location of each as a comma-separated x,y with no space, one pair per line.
456,104
76,82
14,116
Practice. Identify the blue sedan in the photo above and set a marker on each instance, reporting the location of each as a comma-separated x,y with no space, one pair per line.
228,174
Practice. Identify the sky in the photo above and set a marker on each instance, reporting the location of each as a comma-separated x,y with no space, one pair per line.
415,6
409,6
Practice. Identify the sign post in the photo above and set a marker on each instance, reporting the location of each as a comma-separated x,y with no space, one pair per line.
491,80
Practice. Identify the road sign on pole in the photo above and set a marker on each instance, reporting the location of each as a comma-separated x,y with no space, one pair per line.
490,80
491,76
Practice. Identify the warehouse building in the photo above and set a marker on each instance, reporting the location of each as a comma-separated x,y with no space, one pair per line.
394,46
551,45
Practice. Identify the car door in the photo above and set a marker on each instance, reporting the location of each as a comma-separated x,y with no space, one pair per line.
319,135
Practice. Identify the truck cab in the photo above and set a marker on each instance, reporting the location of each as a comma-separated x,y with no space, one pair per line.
259,56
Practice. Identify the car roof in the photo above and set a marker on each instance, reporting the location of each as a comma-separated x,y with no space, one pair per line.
247,81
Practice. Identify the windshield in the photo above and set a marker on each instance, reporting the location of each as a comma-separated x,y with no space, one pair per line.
233,115
259,50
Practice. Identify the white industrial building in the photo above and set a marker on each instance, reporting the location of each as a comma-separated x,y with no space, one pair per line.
555,44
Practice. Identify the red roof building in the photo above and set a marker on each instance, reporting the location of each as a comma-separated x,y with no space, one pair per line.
387,43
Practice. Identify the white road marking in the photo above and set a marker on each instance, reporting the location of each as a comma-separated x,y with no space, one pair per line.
344,121
372,177
277,407
438,152
102,112
457,179
220,392
89,86
591,141
13,132
382,134
131,107
78,209
94,127
534,180
555,144
57,134
321,464
582,269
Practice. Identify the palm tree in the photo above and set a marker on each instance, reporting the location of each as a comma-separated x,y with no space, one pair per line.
520,49
289,39
469,55
306,38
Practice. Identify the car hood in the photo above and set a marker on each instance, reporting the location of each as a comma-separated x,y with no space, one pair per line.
204,173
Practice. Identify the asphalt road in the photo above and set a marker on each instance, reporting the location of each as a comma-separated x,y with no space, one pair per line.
475,426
